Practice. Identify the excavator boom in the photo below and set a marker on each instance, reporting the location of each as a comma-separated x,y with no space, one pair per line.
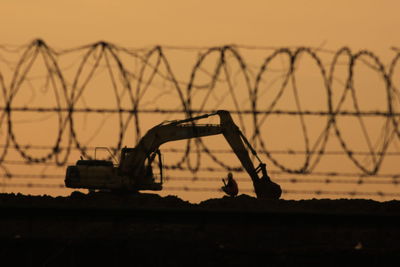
159,135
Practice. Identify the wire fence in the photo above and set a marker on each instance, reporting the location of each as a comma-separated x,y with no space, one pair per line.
299,106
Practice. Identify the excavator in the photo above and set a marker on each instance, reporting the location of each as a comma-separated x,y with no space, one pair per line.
135,169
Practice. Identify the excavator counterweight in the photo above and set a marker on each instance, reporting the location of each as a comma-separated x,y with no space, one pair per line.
134,171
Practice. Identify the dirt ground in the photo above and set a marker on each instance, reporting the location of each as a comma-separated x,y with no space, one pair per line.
149,230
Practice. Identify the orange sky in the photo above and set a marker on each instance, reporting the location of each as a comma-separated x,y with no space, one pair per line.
367,24
361,24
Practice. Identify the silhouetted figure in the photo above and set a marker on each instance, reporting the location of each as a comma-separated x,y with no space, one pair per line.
230,187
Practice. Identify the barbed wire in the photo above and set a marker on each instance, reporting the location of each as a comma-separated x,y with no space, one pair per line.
130,85
218,151
197,179
163,111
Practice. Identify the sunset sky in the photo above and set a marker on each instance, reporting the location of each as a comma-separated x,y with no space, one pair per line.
367,24
371,25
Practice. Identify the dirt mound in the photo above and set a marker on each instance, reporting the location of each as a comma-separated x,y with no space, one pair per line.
94,200
240,203
152,230
248,203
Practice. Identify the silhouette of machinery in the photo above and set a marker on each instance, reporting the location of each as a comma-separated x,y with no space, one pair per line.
135,171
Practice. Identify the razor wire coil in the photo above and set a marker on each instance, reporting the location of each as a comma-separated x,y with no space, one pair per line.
109,57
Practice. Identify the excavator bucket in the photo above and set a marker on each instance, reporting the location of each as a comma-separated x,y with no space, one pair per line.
266,189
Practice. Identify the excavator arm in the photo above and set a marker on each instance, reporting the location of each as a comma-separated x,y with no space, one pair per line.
132,163
263,186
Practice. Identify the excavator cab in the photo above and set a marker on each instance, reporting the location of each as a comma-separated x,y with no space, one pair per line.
148,176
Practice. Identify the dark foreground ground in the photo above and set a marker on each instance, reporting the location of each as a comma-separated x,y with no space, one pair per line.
99,229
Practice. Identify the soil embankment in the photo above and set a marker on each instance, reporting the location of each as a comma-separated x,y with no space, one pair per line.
149,230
